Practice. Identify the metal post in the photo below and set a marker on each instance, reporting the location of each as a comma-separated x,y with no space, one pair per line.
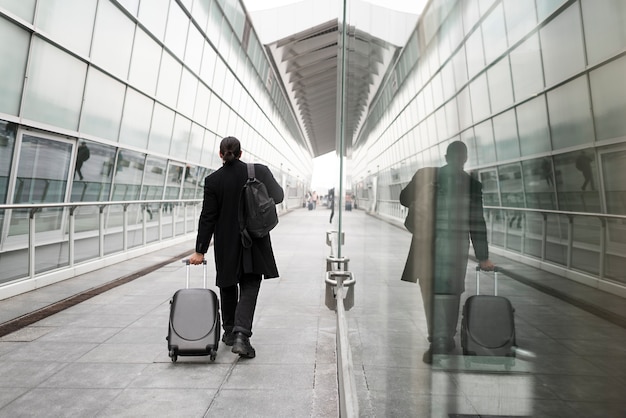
71,246
144,227
125,227
31,242
570,240
101,230
603,233
544,235
160,222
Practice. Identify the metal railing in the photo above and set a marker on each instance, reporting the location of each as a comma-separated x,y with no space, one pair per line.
70,236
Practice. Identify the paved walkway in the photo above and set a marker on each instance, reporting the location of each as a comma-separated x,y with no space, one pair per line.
106,356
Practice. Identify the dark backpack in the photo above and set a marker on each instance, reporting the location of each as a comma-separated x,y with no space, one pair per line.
257,210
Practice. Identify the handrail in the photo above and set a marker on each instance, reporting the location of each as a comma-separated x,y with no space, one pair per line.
558,212
93,203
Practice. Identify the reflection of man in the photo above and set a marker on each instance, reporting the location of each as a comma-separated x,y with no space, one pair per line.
583,164
447,211
81,156
331,203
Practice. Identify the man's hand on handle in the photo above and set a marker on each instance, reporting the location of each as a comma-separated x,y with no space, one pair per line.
486,265
196,258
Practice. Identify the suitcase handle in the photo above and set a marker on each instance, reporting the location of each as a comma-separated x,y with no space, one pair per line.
188,264
496,269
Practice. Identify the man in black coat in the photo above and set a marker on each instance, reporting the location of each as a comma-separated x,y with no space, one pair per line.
445,213
239,269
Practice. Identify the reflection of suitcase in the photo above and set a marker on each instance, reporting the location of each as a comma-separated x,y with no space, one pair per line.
194,326
488,326
310,205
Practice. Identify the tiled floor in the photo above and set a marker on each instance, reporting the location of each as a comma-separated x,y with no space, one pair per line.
107,356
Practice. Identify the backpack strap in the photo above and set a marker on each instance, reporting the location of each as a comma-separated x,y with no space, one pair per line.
246,240
250,170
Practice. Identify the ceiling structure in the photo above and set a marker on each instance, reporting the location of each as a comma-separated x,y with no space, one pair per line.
308,63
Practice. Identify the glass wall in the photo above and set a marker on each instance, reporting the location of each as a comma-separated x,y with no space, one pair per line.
129,100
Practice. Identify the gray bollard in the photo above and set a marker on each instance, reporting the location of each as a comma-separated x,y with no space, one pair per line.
346,281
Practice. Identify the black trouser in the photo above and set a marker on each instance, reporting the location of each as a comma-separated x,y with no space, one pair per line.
239,303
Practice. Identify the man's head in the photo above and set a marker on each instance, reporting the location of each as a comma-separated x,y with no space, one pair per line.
230,149
456,154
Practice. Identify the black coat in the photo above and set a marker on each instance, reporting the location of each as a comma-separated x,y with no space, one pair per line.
219,219
439,255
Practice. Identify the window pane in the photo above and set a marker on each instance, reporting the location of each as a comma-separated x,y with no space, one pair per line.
112,40
93,172
614,170
153,14
131,5
169,80
520,19
136,119
202,104
180,137
505,132
546,7
495,34
174,181
480,98
176,30
128,174
13,50
42,170
489,181
526,69
102,106
500,86
161,132
539,183
534,134
144,65
187,93
576,176
562,46
68,22
154,179
511,188
465,108
54,91
193,53
21,8
485,149
7,144
570,117
474,51
194,153
608,93
604,28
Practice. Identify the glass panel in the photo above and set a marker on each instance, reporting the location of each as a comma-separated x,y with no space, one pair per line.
102,106
180,137
480,98
161,132
608,93
500,85
153,14
474,53
495,32
526,69
24,9
131,5
546,7
176,30
532,125
505,133
614,176
68,22
194,153
93,172
169,80
202,104
520,19
174,180
136,119
54,92
570,115
8,131
193,53
539,183
489,179
485,147
112,40
187,93
511,186
144,65
191,181
604,28
128,174
562,46
153,183
13,50
576,181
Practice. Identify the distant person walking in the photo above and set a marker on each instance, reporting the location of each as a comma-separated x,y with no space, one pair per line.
239,269
583,164
445,212
82,155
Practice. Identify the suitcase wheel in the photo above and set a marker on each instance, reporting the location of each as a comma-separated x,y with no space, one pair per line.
173,356
213,354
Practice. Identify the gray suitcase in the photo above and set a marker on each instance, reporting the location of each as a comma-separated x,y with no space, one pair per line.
194,323
488,325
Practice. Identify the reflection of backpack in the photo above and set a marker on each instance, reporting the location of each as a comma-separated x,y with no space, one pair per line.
257,210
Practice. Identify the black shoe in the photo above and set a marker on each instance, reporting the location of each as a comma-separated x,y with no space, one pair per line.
228,338
242,346
428,357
